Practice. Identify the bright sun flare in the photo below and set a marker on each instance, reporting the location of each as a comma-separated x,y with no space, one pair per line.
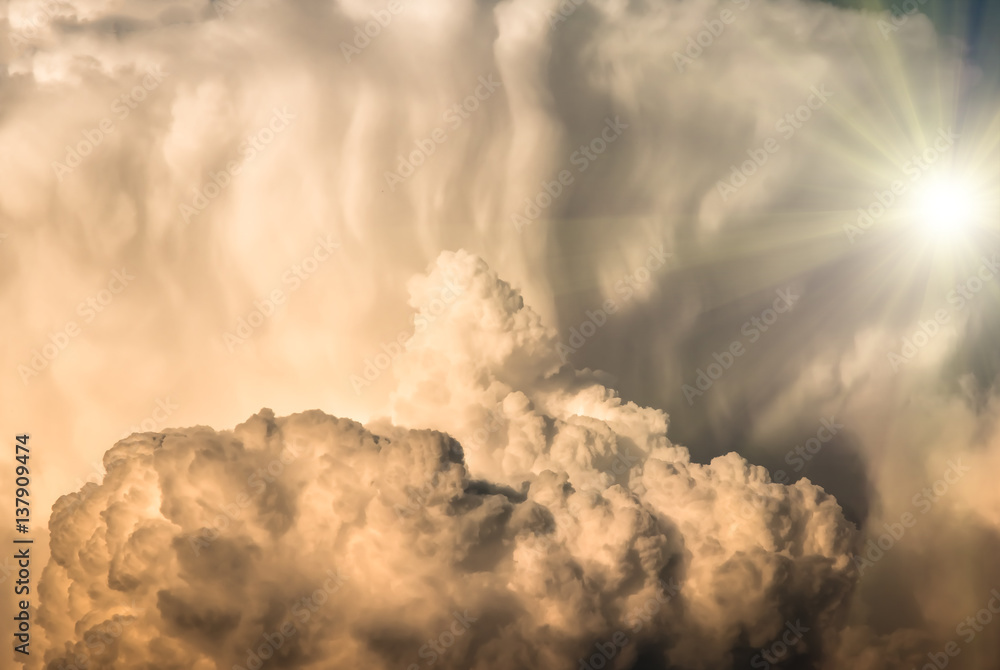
945,207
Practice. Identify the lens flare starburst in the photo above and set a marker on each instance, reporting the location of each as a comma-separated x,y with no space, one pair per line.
946,208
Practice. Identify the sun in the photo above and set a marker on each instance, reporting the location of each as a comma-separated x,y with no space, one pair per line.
946,207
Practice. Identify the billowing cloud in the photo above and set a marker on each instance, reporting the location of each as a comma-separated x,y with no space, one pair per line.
211,207
361,544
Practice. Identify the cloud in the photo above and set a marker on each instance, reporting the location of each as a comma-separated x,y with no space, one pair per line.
478,364
206,543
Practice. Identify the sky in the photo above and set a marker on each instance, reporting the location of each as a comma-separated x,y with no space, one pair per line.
650,335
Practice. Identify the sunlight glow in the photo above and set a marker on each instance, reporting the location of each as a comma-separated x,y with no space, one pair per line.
945,207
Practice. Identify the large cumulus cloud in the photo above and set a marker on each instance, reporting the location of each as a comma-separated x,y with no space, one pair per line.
487,371
199,545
